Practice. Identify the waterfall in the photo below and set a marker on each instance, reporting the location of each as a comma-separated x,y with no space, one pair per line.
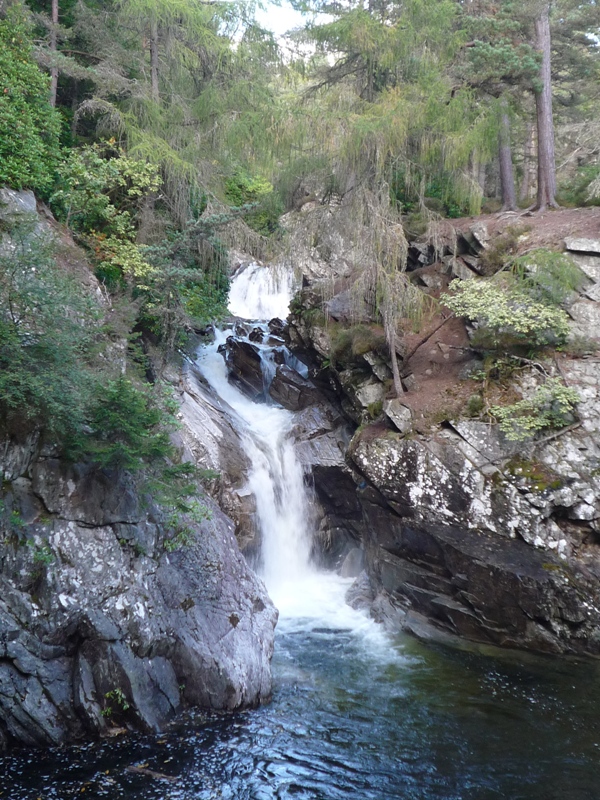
276,479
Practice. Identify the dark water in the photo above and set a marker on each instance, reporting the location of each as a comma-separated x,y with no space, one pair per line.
349,722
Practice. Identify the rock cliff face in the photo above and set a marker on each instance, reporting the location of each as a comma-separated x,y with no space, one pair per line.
463,533
100,626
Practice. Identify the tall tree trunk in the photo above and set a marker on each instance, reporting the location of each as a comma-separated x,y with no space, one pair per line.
53,49
528,156
507,178
154,60
545,126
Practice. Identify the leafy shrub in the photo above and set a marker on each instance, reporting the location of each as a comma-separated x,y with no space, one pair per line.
348,344
507,309
29,127
99,193
243,189
550,407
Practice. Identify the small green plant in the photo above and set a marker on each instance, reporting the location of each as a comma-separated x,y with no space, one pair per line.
474,405
551,406
11,521
42,554
117,696
177,524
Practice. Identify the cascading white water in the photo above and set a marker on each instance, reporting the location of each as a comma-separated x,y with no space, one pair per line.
260,293
276,478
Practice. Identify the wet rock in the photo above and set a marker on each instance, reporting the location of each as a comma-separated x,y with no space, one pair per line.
353,563
291,390
256,335
277,327
244,367
208,438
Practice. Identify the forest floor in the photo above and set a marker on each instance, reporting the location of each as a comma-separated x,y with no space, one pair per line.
542,230
440,387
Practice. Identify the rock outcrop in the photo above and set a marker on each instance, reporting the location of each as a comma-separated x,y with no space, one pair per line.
103,627
463,532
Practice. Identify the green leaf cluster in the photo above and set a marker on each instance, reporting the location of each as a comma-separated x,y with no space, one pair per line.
507,309
548,276
551,406
29,127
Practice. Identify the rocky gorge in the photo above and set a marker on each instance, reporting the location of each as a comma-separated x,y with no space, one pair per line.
449,529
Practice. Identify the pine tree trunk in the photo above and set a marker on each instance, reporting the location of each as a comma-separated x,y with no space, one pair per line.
154,60
528,157
545,125
53,49
507,179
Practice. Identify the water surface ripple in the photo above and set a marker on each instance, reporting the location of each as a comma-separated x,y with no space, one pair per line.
425,723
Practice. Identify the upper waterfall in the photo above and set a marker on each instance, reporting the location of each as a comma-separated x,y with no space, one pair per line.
259,292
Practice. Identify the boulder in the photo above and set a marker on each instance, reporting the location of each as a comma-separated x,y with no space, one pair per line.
244,367
581,245
291,390
399,414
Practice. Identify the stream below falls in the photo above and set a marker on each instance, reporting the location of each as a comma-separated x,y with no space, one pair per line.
356,714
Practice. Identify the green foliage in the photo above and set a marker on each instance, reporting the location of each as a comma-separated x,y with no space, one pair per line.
29,127
349,344
128,428
507,309
99,193
551,406
576,191
47,330
548,276
117,697
11,521
43,555
242,189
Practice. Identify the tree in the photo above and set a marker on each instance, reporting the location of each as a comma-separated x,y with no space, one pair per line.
29,127
546,192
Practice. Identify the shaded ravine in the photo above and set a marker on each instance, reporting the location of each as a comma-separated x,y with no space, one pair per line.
355,713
